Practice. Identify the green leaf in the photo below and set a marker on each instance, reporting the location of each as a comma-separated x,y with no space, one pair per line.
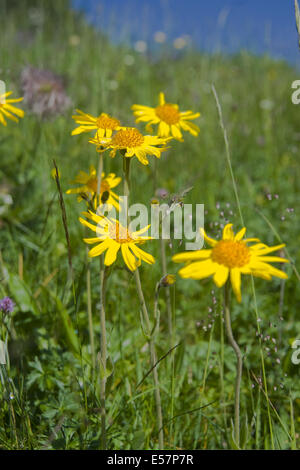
22,294
70,335
244,432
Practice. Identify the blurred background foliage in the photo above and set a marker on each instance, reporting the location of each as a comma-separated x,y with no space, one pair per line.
55,400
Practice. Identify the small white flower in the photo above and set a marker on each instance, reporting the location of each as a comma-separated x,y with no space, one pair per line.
140,46
160,37
266,104
128,60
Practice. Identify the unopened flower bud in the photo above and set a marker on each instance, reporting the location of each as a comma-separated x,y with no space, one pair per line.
167,280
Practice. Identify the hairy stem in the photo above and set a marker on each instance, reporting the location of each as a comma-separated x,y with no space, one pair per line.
103,345
103,355
239,365
168,291
153,358
90,314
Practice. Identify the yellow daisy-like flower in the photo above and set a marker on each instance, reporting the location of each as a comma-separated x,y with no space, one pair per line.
103,124
132,142
89,184
112,236
169,118
7,110
232,257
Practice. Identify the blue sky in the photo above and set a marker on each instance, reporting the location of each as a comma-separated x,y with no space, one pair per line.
263,26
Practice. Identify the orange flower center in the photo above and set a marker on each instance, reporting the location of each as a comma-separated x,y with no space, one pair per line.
168,113
231,254
119,233
106,122
93,185
127,138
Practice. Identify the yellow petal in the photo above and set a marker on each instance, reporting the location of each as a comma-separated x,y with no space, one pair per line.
79,130
228,232
161,98
141,155
209,240
87,224
273,259
235,277
13,109
198,270
163,129
240,234
111,253
176,132
142,254
262,249
221,275
191,256
99,249
129,258
2,120
141,231
91,241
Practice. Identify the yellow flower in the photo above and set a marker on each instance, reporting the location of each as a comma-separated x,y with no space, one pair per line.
169,118
111,236
132,142
89,186
104,124
7,110
232,257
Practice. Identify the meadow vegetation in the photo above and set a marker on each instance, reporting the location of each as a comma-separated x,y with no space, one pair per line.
50,394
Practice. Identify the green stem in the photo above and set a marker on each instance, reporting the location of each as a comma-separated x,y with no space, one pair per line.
263,367
99,179
126,169
103,355
153,357
167,289
90,314
103,344
252,280
239,366
154,175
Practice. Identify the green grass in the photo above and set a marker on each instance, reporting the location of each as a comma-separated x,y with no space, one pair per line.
56,400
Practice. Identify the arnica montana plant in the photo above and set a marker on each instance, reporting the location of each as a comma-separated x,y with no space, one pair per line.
168,117
104,124
226,261
132,143
113,237
88,188
111,338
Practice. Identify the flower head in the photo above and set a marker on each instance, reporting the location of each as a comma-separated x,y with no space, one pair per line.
89,184
232,257
6,305
7,110
169,118
103,124
44,92
132,142
111,236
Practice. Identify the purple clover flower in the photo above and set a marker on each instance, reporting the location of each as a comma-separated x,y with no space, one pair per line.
7,305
